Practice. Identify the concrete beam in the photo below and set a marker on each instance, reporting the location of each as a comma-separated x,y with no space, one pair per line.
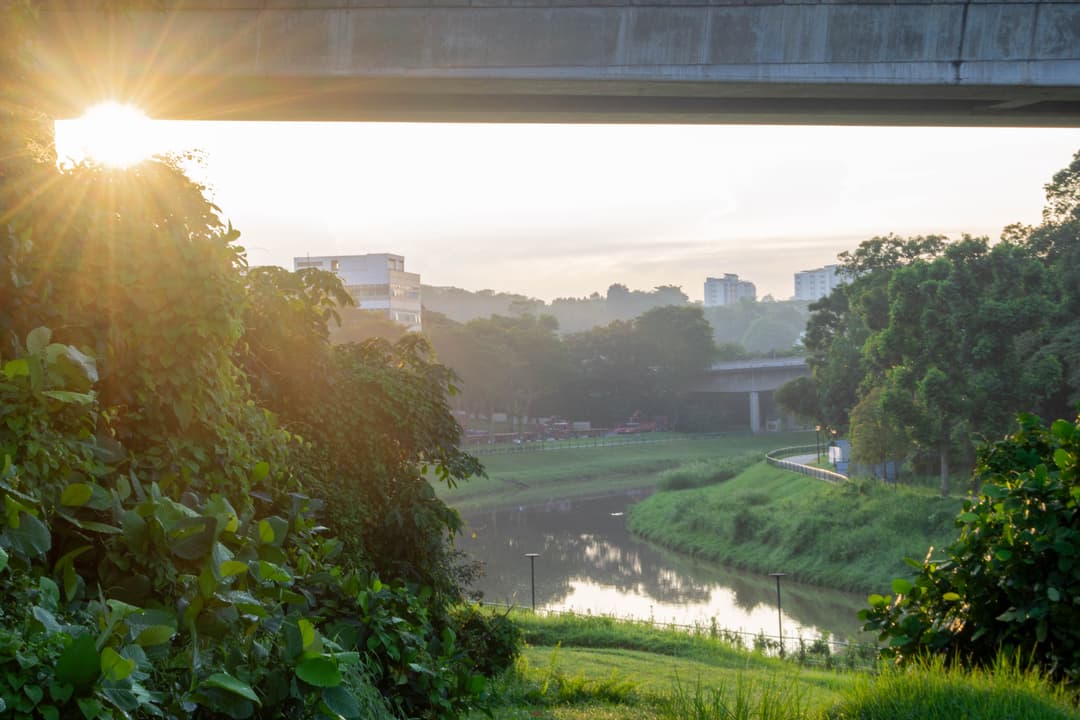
919,62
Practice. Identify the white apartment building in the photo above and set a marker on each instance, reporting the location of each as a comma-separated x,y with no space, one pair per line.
376,281
728,290
817,283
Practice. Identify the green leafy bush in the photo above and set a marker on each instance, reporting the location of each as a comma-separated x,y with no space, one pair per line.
1010,580
159,555
490,639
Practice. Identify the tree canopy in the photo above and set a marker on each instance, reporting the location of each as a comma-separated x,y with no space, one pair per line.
210,510
951,338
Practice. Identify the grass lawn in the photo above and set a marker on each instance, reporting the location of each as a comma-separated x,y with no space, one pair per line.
852,536
595,668
534,477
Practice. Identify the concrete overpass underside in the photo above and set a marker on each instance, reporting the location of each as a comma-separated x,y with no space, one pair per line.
921,62
752,378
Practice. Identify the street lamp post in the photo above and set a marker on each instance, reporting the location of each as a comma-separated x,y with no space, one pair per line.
532,576
779,615
817,435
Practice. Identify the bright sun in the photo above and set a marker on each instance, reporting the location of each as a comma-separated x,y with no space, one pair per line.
112,134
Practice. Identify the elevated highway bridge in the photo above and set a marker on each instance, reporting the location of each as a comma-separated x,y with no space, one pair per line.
751,378
905,62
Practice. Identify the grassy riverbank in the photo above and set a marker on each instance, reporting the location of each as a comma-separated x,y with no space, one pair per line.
532,477
850,536
593,668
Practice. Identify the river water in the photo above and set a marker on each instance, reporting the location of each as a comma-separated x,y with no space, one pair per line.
589,563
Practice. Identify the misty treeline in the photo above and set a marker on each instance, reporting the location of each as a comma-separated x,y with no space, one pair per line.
520,360
521,366
738,329
937,344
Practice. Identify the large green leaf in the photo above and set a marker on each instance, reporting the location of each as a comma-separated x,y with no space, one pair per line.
67,396
224,681
232,567
260,471
269,572
38,339
78,368
93,525
76,494
114,666
31,538
155,635
193,538
319,671
219,507
91,708
341,701
244,602
308,634
266,532
79,665
17,368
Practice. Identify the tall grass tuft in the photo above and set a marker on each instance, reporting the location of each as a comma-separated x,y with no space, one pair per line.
524,686
747,699
931,690
705,472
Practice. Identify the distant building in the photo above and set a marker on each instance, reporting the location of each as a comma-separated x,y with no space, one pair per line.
376,282
816,284
728,290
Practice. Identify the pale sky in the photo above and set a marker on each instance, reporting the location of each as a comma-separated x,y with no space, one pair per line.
564,210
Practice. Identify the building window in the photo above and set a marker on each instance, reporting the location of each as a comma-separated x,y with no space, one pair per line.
369,291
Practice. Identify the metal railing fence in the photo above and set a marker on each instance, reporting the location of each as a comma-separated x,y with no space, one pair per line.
587,442
776,459
821,651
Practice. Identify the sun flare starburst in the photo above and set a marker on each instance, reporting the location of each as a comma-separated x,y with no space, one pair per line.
112,134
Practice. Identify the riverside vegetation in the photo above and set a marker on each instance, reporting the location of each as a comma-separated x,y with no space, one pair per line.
850,536
597,668
575,667
533,477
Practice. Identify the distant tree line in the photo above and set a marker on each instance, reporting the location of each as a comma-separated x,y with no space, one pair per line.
740,330
521,366
937,344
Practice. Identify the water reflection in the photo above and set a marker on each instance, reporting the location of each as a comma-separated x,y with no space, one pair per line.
589,563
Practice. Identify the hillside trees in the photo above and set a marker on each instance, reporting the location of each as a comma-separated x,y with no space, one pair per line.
952,337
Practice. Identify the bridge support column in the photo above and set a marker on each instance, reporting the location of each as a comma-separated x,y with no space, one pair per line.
755,412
